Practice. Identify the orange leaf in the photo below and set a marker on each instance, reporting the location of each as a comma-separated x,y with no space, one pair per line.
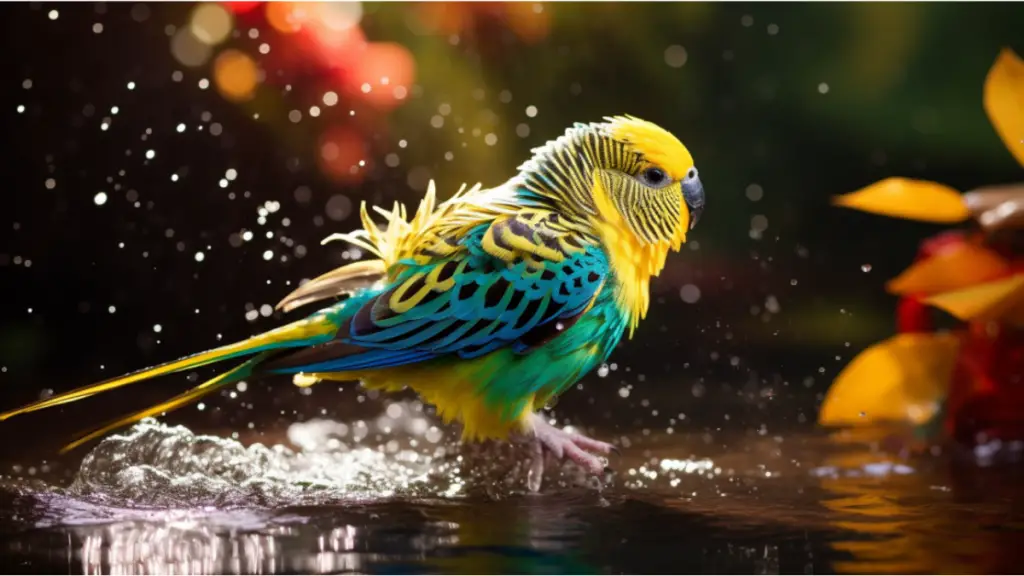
902,379
1004,101
951,269
910,199
1001,300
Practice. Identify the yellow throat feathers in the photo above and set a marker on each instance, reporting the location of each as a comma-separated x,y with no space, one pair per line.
634,261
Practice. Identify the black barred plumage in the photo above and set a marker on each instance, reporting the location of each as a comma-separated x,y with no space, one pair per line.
562,170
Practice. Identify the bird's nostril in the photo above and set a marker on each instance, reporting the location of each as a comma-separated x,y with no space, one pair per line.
691,174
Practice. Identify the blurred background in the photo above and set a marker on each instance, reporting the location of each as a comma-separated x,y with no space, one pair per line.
172,168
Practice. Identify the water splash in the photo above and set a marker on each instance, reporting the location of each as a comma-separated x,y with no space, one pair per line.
399,454
156,465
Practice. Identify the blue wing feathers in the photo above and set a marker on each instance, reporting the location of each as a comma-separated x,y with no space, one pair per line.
490,305
371,359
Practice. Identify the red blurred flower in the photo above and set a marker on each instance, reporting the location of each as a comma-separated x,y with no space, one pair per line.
343,155
241,7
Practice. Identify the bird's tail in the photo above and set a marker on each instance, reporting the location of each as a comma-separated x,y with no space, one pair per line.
309,331
391,245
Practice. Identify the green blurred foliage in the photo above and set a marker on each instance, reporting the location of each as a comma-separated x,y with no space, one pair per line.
807,100
903,78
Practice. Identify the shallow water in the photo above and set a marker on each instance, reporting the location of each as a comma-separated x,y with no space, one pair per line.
397,494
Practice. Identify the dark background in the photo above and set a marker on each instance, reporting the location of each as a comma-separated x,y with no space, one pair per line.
779,314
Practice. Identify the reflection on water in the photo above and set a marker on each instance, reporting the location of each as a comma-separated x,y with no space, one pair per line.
199,548
398,495
933,521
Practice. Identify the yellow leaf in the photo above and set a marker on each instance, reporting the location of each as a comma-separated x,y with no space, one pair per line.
1001,300
910,199
1004,101
951,269
902,379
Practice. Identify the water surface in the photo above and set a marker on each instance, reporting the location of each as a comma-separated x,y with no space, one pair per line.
398,494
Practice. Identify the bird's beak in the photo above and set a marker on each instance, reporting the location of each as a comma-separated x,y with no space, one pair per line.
693,193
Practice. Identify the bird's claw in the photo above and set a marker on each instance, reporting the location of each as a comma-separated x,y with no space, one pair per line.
563,445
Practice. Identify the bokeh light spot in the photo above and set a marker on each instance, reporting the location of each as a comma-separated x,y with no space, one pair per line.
383,64
342,154
235,75
689,293
339,15
188,50
675,56
528,20
211,23
338,207
284,17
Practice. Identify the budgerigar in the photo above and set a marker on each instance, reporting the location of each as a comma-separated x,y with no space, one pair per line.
491,303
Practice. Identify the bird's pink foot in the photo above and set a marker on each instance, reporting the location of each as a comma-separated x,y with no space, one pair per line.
562,445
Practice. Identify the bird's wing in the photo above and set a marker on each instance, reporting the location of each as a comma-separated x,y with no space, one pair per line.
514,282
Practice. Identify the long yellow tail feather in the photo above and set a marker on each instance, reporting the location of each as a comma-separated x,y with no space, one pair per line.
240,372
295,332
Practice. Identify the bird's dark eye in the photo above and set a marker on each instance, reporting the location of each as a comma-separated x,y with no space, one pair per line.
654,177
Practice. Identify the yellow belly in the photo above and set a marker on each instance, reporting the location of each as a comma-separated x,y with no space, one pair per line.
454,389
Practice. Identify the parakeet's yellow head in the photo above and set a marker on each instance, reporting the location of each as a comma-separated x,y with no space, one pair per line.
631,184
625,170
